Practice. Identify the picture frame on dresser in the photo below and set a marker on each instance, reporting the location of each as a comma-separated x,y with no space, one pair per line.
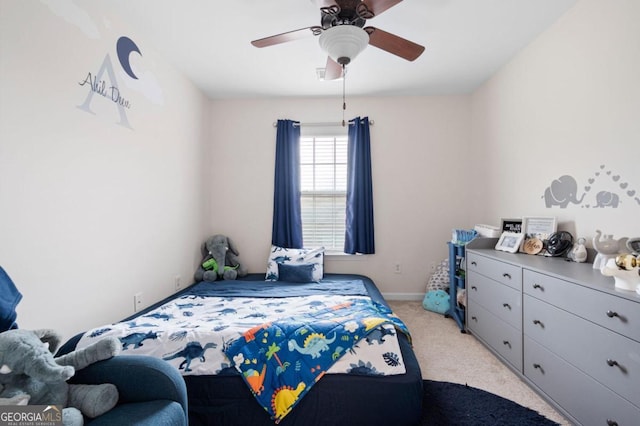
510,241
633,244
536,230
511,224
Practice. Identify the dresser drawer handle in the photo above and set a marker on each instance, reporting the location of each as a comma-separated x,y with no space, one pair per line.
473,262
538,322
611,422
505,275
538,367
538,287
473,287
612,314
506,305
614,363
475,319
506,343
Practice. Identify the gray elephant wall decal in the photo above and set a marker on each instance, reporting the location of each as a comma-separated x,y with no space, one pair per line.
607,199
612,188
616,188
561,192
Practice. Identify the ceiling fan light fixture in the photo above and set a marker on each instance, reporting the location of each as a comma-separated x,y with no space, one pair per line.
344,42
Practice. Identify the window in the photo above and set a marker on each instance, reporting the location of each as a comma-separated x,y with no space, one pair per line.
323,186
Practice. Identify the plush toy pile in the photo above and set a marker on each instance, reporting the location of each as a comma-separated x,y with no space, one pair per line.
29,373
220,260
437,297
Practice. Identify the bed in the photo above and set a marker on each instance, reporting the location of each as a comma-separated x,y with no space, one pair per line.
226,395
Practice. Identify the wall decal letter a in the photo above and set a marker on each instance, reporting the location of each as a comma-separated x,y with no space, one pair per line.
97,87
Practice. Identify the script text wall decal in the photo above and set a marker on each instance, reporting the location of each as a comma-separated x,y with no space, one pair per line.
107,87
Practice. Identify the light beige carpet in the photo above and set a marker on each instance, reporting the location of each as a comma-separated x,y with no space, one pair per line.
445,354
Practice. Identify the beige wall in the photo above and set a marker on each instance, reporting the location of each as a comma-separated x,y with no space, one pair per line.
419,155
566,105
92,212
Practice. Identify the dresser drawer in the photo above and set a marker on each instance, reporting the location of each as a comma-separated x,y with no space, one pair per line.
615,313
610,358
504,273
503,338
588,401
503,301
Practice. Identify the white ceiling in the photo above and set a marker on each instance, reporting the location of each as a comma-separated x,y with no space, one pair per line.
466,42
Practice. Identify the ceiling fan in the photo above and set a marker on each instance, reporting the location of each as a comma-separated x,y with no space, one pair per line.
343,34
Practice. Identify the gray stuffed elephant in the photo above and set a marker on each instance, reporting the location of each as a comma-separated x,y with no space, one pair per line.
29,371
220,260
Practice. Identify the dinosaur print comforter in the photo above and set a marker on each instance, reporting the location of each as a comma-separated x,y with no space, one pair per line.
282,360
194,330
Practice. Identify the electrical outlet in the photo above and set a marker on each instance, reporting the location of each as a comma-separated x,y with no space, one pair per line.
137,302
397,268
177,283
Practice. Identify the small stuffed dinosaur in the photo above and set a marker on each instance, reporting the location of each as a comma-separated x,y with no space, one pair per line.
29,371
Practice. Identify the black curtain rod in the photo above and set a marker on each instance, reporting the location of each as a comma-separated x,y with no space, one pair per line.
321,124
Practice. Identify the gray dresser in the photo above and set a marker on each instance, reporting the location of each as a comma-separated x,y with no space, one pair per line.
562,327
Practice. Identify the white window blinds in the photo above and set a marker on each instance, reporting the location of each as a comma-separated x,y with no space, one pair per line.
323,175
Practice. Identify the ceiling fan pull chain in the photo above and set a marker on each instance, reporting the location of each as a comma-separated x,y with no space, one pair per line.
344,101
344,105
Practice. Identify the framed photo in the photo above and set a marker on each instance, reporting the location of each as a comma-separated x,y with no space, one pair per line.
510,241
511,225
536,230
633,244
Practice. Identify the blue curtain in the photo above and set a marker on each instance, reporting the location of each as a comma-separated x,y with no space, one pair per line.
287,219
359,236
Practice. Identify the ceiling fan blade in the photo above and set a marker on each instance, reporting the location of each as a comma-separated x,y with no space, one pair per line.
379,6
332,70
285,37
394,44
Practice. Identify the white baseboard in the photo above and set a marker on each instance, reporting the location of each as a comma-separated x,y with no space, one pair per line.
404,296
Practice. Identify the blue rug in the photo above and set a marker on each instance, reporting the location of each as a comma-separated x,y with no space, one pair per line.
454,404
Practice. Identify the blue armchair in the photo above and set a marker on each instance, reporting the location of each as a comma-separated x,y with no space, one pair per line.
152,392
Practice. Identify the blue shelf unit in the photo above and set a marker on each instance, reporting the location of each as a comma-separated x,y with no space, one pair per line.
456,283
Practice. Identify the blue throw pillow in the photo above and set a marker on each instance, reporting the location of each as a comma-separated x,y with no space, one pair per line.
291,256
9,299
436,301
295,273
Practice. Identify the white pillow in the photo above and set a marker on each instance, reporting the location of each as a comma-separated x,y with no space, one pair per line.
291,256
